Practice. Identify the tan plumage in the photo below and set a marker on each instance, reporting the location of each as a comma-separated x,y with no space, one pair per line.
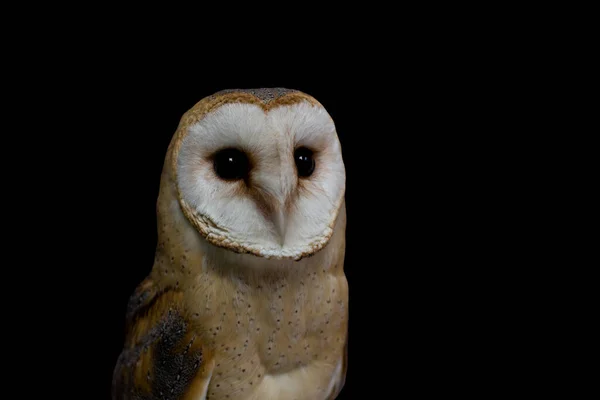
229,315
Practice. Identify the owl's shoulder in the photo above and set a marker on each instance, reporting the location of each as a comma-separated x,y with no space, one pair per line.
162,356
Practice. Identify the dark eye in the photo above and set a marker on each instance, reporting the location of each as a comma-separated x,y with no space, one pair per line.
231,164
305,163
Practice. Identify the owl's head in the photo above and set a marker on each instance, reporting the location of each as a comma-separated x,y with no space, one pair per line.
260,172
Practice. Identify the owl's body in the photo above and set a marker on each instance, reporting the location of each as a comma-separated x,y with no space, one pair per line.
247,298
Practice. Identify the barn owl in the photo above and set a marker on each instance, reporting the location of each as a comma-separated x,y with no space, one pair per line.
247,297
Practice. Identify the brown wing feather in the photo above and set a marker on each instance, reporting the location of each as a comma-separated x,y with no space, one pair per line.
162,358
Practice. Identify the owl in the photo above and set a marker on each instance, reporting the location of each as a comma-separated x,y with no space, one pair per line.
247,297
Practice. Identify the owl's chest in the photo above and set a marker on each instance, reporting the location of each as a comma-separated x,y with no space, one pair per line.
288,340
297,360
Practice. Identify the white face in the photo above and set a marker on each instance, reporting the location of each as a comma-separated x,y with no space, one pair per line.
249,174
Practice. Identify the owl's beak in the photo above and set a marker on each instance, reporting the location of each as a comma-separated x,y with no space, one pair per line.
280,223
273,195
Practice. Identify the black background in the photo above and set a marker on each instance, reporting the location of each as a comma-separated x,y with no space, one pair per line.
443,114
416,203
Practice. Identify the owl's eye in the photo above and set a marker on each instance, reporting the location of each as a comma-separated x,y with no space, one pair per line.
305,163
231,164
